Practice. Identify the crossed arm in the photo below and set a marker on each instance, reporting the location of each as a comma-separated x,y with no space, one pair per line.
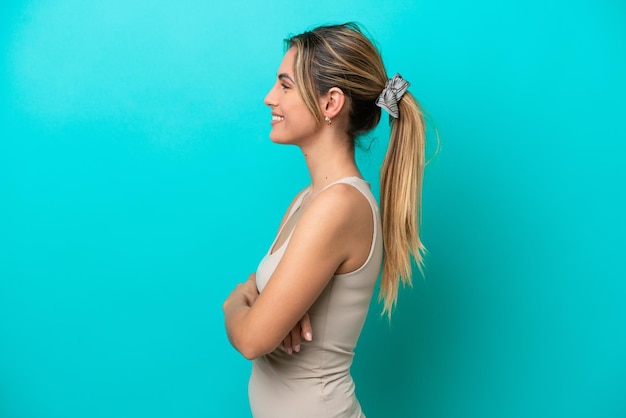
257,324
247,293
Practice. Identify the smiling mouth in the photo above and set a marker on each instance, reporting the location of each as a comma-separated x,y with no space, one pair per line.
276,118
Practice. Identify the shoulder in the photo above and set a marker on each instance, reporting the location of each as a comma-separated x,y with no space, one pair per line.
341,197
340,205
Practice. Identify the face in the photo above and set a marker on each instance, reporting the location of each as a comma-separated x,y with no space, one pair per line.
292,123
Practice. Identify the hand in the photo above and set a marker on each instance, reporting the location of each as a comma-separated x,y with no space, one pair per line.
292,341
245,292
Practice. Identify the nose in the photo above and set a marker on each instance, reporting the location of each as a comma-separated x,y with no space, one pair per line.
270,98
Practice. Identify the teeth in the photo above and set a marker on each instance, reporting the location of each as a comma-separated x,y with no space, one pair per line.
277,118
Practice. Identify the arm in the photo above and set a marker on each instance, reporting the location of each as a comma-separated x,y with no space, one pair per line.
239,302
311,258
244,296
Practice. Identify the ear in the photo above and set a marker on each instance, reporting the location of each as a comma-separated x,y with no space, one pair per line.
332,102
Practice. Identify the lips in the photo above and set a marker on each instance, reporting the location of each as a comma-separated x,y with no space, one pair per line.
277,119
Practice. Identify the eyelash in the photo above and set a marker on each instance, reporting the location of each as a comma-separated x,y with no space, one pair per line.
284,86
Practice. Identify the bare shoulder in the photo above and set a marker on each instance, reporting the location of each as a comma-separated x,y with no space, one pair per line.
337,209
341,198
328,234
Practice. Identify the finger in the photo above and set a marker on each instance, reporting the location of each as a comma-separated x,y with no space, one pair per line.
252,277
295,338
287,343
306,328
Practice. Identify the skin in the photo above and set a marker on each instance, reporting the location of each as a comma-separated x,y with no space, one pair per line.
256,323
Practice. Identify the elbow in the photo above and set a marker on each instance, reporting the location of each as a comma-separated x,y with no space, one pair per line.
250,353
246,336
251,348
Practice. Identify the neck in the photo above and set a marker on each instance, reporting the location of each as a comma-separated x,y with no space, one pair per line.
329,159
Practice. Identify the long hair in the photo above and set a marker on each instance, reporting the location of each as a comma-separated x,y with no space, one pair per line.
342,56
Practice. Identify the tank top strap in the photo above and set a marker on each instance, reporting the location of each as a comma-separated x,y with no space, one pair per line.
359,184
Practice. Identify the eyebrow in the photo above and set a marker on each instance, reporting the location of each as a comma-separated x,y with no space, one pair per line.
284,75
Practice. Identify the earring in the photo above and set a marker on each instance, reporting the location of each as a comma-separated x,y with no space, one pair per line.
328,121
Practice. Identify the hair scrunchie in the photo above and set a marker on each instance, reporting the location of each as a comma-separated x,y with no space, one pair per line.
391,95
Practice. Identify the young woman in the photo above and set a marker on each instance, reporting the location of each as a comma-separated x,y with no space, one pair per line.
320,272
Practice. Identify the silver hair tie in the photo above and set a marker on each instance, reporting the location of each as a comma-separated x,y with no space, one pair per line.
391,95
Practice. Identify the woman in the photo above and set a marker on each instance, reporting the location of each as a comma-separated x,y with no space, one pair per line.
324,262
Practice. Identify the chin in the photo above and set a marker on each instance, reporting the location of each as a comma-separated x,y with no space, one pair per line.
277,139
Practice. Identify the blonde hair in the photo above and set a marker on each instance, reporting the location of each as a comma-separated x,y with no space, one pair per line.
342,56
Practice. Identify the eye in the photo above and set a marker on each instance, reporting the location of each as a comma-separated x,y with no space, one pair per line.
284,86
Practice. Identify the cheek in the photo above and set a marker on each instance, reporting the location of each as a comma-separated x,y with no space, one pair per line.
304,117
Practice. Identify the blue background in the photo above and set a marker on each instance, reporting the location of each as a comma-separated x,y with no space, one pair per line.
138,186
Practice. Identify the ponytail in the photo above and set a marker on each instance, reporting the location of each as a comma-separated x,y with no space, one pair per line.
401,179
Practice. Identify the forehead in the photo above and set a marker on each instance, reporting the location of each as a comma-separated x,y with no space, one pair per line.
286,66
